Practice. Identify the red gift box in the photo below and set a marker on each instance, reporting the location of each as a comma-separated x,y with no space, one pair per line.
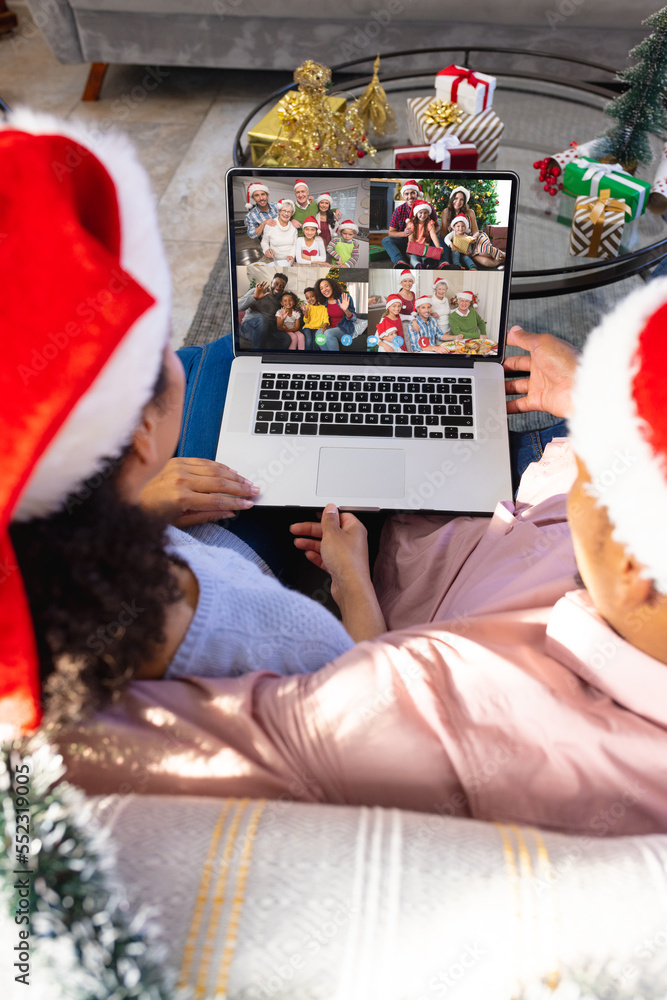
417,158
424,250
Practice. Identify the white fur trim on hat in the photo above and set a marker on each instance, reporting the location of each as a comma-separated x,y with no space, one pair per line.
606,433
421,205
460,218
406,272
437,280
285,201
253,187
410,186
347,224
103,421
322,197
299,183
312,222
465,295
463,191
422,300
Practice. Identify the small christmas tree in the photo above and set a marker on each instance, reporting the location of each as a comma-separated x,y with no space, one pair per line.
334,274
641,109
483,199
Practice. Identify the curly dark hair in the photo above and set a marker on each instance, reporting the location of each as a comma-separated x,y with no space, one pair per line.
98,581
336,288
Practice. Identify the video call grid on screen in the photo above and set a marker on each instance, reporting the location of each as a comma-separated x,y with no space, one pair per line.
467,298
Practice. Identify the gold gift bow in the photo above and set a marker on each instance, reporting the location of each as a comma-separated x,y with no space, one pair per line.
442,113
596,215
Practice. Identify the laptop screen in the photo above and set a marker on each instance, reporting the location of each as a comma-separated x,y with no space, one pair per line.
370,262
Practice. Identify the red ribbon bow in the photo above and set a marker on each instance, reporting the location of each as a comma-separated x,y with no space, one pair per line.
464,75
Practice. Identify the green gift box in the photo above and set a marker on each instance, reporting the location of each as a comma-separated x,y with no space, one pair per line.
584,176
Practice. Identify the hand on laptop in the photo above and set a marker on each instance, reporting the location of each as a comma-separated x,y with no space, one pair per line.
196,491
338,545
551,364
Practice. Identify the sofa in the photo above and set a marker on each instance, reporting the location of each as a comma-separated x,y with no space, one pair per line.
247,33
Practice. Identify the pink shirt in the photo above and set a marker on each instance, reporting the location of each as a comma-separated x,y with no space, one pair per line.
514,702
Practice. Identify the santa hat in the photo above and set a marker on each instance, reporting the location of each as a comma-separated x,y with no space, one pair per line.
84,320
348,224
422,300
285,201
419,205
460,218
253,188
462,190
407,273
410,186
440,279
300,183
311,221
619,424
321,197
469,296
394,297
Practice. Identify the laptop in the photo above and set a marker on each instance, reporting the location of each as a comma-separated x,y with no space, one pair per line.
332,397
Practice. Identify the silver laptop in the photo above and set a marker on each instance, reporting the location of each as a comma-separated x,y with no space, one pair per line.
332,396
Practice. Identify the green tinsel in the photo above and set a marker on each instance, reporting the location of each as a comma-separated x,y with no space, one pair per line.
82,945
641,109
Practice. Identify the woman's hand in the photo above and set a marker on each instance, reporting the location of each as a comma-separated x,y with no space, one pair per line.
345,302
196,491
290,260
338,545
551,364
269,254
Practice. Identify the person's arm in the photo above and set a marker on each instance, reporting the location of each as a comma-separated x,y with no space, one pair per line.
393,223
354,258
454,325
331,250
280,319
338,545
472,219
197,491
266,242
321,252
551,365
481,325
254,231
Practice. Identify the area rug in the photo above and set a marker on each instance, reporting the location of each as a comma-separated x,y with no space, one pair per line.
568,316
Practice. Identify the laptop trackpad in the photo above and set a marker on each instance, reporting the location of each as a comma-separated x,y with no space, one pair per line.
361,472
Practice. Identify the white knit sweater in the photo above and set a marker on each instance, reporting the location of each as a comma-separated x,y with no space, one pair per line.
280,239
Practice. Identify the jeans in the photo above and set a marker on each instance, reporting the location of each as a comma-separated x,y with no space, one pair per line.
333,335
260,330
265,529
309,337
462,260
396,247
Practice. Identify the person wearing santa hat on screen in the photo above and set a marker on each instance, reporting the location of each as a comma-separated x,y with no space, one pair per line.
400,224
259,209
497,653
464,321
305,204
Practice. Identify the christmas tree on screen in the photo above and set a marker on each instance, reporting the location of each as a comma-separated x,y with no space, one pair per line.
483,199
641,109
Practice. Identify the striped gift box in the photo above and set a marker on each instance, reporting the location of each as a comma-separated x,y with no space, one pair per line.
484,130
597,226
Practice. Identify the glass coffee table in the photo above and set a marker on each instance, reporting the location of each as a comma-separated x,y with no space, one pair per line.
542,115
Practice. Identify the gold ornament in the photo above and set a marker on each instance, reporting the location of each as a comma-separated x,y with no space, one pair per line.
374,108
442,113
312,134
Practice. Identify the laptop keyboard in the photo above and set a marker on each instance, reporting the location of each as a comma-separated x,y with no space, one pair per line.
400,406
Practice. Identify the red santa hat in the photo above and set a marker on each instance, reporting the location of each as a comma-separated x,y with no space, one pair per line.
394,297
321,197
407,273
253,188
410,186
84,321
299,183
348,224
282,202
460,218
419,205
440,279
619,424
311,221
465,295
422,300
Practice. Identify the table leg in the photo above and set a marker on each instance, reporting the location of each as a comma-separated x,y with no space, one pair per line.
94,82
8,19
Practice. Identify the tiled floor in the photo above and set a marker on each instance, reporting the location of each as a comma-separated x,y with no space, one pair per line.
183,129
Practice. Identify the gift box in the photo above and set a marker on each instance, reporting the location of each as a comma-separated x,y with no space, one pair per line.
266,131
597,225
484,131
449,153
473,92
424,250
586,177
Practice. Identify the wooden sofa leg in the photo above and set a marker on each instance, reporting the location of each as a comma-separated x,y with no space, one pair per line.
8,19
93,86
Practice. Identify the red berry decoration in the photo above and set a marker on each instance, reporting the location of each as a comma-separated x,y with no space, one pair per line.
537,164
553,191
554,171
560,186
547,186
360,153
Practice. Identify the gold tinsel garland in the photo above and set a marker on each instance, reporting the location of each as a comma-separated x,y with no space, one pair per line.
312,135
373,106
442,113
